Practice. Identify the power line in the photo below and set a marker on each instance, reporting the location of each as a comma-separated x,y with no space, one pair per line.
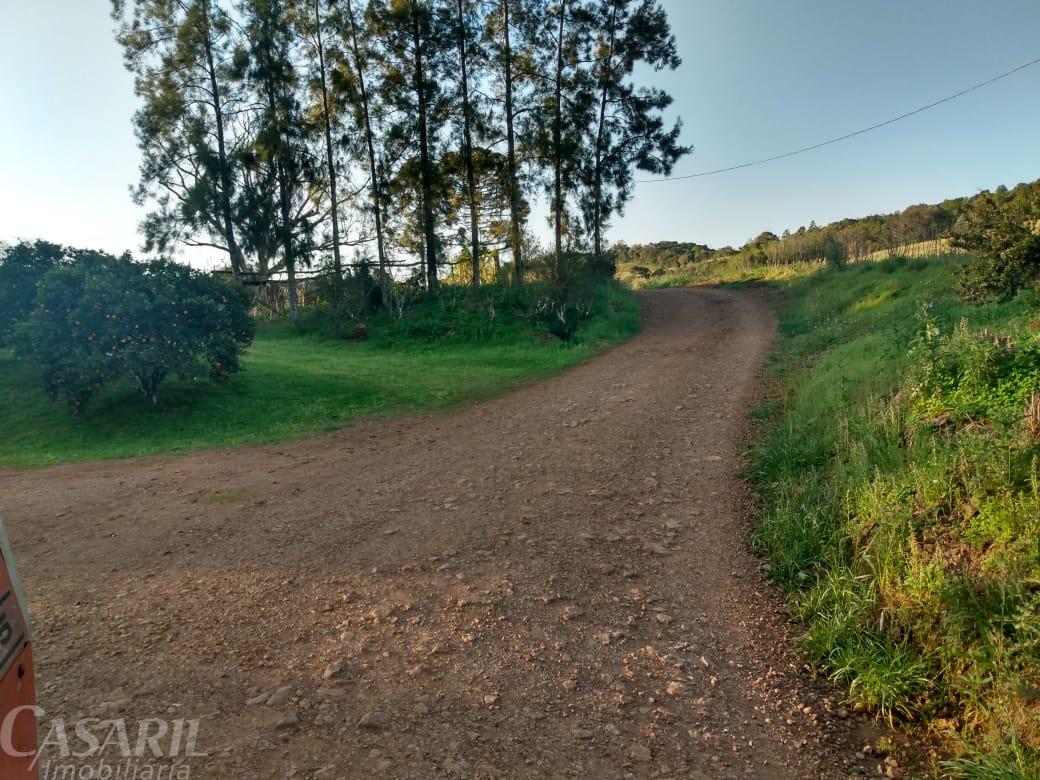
956,95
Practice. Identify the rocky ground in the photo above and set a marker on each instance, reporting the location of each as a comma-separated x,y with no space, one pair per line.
551,584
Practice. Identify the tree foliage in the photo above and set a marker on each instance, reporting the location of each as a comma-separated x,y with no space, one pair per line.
809,246
22,266
629,128
280,132
99,319
187,127
1002,231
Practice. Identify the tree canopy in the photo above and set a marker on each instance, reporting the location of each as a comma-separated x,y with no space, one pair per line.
279,133
96,319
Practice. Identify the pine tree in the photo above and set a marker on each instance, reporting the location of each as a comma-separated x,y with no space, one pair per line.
566,97
281,143
504,20
464,36
313,24
178,53
350,87
256,119
417,44
629,130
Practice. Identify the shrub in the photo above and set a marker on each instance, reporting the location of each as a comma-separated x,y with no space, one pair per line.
1002,230
563,317
973,374
21,268
102,318
510,311
570,284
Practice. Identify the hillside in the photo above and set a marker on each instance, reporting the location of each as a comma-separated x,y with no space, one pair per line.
920,230
898,465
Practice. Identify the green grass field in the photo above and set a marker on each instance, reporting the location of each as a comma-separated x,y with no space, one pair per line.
900,484
298,384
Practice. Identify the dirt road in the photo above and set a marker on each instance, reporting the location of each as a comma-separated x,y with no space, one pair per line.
551,584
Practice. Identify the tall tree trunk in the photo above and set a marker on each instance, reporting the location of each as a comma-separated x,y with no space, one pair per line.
597,183
513,184
558,142
284,204
425,164
376,189
337,261
237,264
467,150
287,240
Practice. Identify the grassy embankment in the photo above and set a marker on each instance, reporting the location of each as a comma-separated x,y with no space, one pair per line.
899,470
299,383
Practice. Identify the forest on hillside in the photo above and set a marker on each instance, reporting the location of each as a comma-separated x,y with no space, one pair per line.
918,230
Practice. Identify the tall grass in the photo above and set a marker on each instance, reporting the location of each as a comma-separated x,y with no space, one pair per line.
901,509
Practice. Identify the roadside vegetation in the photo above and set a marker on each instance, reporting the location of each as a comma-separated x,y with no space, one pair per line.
901,508
295,380
97,319
899,475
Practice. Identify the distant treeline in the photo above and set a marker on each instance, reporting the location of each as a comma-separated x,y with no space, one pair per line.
938,226
670,253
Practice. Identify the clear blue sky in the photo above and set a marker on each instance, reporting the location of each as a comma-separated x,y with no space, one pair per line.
759,77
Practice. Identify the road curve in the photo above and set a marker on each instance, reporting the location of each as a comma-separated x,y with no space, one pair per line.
550,584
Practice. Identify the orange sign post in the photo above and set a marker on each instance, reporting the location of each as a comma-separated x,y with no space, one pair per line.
17,679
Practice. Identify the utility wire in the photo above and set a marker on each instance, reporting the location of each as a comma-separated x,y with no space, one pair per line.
963,92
